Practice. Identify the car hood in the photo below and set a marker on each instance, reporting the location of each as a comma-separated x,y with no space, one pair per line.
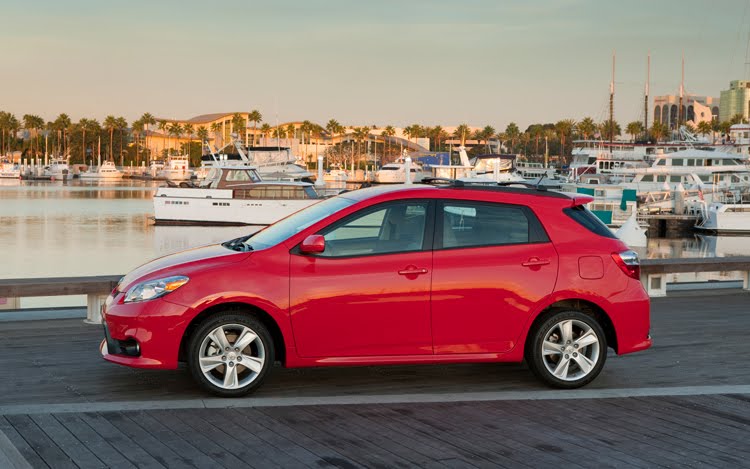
181,263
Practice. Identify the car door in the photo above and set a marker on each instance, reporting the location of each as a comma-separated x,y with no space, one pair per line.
492,263
368,292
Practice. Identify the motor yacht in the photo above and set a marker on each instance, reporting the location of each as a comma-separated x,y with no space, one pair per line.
9,169
106,170
231,195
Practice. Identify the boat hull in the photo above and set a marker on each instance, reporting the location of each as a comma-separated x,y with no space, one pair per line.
218,207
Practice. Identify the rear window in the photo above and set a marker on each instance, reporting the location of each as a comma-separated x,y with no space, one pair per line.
588,220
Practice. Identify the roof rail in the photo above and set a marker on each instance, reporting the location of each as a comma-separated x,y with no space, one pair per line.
446,181
459,183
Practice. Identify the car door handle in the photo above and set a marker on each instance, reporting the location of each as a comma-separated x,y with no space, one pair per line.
412,271
535,261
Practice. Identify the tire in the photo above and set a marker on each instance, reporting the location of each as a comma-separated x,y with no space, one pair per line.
571,362
209,364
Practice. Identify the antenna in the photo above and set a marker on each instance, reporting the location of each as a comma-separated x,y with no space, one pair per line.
612,102
645,100
682,92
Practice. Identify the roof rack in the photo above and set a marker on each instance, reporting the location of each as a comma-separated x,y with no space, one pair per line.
507,186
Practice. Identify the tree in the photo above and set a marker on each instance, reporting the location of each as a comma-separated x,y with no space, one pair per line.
265,129
137,130
33,124
736,119
216,128
634,128
163,127
388,132
587,127
189,129
62,125
610,129
110,123
291,131
512,132
121,125
705,127
202,133
239,126
564,129
461,132
148,120
536,132
175,129
658,131
255,116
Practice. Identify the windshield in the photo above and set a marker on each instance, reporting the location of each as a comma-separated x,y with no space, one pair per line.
296,222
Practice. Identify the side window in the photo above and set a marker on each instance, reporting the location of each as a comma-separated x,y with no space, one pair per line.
467,224
389,228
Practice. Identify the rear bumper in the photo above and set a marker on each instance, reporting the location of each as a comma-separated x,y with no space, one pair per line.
631,316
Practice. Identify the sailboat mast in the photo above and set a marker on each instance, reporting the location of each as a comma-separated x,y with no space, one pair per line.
645,98
612,103
682,92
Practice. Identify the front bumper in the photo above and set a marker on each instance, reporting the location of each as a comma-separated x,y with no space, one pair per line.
157,327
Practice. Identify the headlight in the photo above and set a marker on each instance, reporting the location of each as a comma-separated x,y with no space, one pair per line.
154,288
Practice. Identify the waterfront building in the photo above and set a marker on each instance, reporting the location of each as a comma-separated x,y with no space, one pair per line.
695,109
735,100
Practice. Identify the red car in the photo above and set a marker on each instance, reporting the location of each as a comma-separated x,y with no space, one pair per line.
442,273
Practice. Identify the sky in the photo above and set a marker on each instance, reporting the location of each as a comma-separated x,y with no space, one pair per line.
384,62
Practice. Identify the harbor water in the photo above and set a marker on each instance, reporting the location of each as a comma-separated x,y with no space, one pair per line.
55,229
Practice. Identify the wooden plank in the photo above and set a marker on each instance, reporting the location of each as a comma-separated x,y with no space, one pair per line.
117,439
67,442
98,445
46,448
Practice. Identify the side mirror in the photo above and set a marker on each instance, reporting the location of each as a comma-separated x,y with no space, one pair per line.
313,244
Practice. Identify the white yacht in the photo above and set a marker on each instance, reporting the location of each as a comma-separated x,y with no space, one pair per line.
105,171
690,167
531,170
482,168
57,170
272,163
395,173
9,170
176,168
231,195
730,214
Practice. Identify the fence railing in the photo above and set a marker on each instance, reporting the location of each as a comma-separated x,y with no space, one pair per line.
653,275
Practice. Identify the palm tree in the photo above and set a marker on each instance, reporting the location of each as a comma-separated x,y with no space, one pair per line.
163,126
61,126
705,127
189,130
462,131
175,129
290,132
587,127
388,132
147,120
738,119
202,133
110,123
255,116
216,128
610,129
136,129
512,132
265,129
121,125
658,131
634,128
239,124
564,129
34,124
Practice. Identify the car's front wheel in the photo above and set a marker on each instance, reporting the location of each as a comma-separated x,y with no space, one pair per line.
230,354
567,350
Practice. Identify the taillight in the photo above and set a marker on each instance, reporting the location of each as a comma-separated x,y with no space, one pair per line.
629,263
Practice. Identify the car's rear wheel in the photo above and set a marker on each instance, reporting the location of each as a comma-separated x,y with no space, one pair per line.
230,354
567,350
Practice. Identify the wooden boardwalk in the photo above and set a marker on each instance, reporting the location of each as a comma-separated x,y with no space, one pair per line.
701,339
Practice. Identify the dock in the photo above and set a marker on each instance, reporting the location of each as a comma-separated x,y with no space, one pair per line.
683,403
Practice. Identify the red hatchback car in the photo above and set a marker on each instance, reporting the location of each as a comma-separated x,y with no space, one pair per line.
447,273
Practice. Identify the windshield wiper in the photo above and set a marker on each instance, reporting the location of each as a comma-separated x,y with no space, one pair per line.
238,244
